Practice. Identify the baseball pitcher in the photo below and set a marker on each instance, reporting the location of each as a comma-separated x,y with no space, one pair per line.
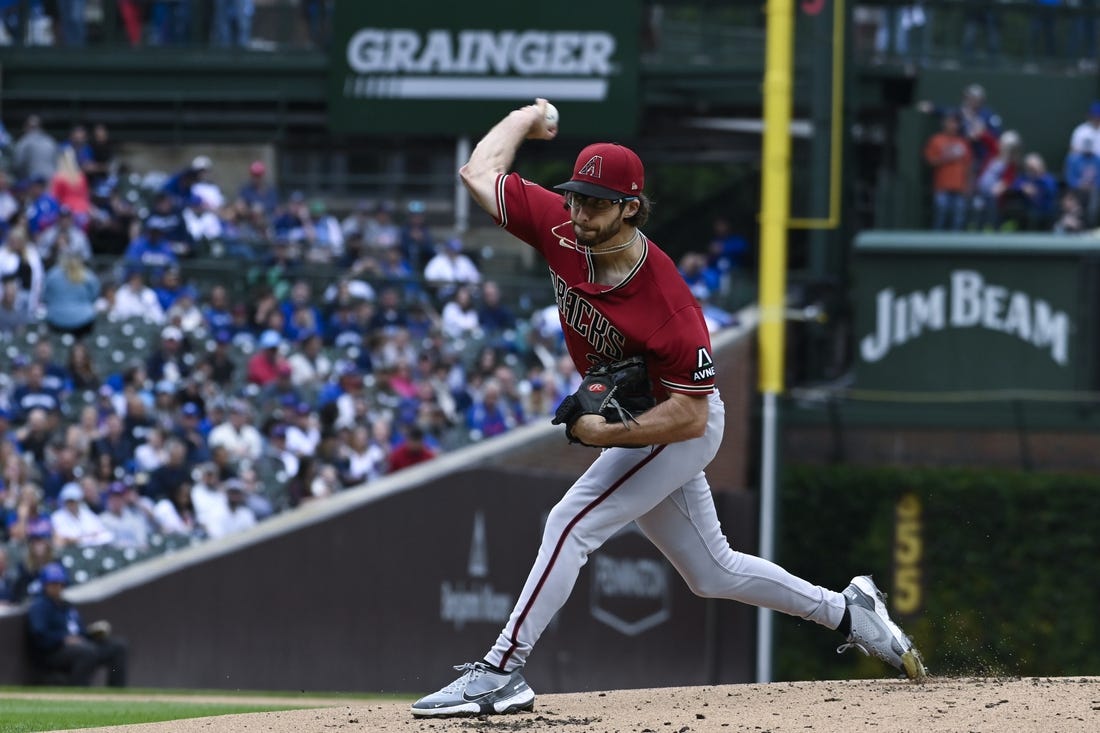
648,400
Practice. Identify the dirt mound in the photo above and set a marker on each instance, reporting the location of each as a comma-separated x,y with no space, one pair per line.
939,705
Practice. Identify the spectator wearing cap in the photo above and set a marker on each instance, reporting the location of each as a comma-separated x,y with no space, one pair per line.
189,428
38,553
449,269
240,439
239,515
276,453
184,311
162,241
64,237
303,435
299,311
219,364
323,234
135,300
204,186
1086,135
208,498
204,228
69,295
257,191
171,361
40,208
35,152
150,253
264,366
122,518
60,641
74,523
20,259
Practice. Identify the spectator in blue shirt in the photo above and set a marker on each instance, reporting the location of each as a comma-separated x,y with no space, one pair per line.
42,209
151,252
1038,192
60,641
32,393
256,191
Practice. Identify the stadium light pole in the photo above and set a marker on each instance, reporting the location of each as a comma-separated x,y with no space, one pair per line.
774,220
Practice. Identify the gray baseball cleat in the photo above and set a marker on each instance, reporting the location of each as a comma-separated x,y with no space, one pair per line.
872,631
480,690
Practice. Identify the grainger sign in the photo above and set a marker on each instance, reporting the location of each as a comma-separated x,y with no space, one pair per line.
433,68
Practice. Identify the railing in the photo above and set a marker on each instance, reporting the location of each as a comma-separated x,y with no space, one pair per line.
978,33
247,25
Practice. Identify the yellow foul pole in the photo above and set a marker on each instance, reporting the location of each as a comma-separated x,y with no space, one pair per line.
775,205
774,220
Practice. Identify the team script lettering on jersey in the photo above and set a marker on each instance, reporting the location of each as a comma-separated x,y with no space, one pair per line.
580,315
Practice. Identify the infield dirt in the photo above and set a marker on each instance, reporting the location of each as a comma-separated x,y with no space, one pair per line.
938,705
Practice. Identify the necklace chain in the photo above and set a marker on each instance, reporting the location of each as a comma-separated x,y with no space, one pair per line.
617,248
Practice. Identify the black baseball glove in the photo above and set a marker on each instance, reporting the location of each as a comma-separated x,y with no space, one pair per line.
617,392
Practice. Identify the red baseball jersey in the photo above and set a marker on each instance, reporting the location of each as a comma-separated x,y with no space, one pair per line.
651,313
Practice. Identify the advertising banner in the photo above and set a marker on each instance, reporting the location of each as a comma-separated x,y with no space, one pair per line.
421,67
981,313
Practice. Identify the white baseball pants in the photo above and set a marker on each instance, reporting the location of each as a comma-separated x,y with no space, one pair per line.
662,488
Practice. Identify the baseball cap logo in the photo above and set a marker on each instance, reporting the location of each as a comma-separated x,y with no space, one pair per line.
593,168
597,387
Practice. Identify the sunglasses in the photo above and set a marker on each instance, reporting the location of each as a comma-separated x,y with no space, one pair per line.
592,203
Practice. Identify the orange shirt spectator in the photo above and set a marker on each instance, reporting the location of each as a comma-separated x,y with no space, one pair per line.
949,155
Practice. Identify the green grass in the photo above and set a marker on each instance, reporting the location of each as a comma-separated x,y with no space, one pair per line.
88,709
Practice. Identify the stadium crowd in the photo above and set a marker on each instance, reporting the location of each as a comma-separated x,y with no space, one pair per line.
142,406
137,403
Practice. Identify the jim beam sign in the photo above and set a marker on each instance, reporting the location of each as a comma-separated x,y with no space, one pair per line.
426,67
963,329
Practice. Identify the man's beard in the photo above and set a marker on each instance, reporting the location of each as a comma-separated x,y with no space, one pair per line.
600,237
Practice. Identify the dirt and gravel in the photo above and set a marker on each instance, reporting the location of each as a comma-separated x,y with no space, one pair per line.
939,705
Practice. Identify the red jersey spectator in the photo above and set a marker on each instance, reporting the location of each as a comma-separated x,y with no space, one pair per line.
265,366
412,451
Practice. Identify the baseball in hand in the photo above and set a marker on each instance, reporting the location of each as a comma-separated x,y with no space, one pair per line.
551,115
